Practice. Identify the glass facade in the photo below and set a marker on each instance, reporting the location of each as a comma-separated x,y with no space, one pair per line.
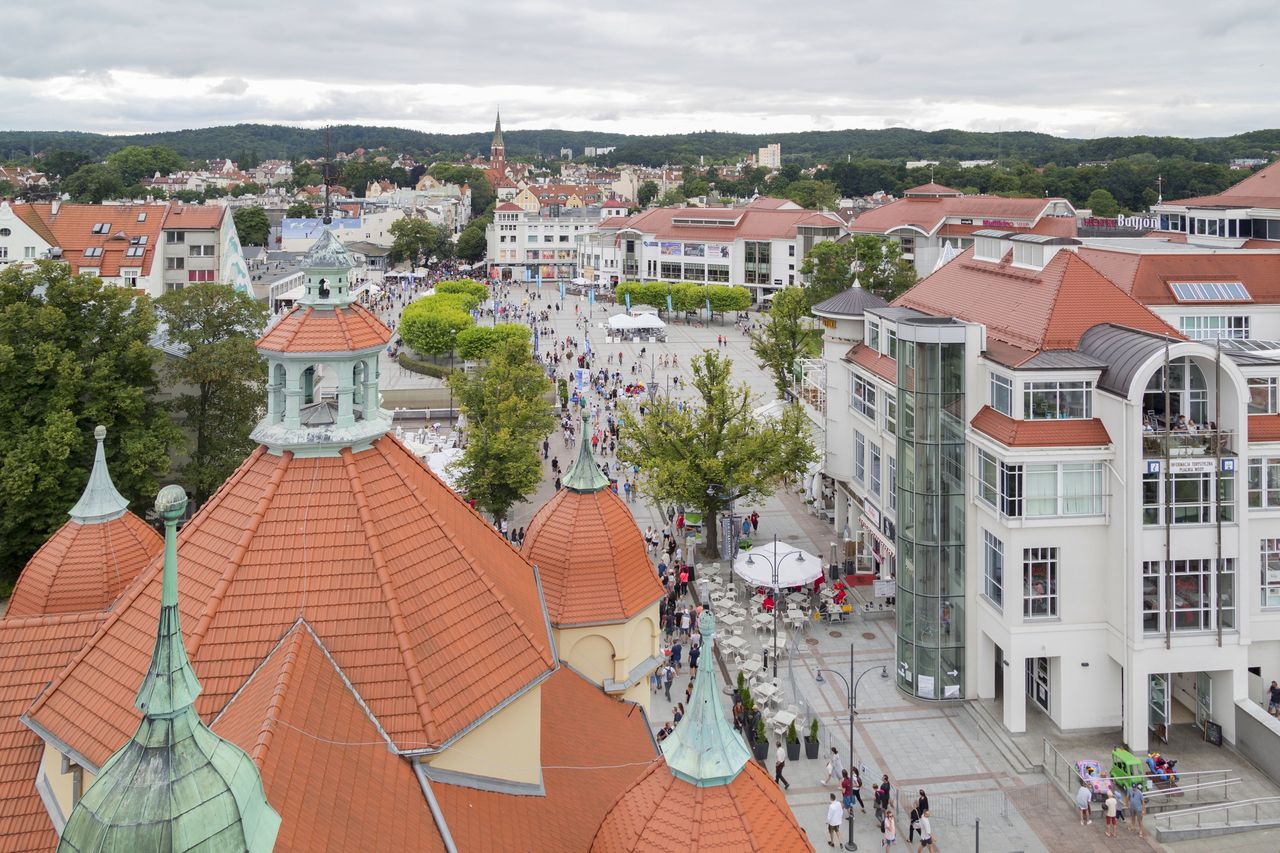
931,500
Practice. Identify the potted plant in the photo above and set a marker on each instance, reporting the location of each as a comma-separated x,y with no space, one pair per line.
793,742
744,544
811,740
564,393
760,746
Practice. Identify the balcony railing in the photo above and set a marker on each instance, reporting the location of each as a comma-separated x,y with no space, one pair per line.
810,383
1184,444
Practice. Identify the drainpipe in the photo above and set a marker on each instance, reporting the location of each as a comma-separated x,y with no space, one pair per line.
1166,507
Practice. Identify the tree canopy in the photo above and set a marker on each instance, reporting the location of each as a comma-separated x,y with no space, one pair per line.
877,262
135,162
508,415
716,450
252,225
73,354
300,210
785,337
217,326
430,325
416,240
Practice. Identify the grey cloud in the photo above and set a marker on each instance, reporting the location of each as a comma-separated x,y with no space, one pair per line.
230,86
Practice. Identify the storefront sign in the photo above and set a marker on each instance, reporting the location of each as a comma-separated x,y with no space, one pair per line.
872,513
1192,466
1141,222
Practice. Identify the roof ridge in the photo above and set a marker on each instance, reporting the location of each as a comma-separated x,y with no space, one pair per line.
262,745
50,619
407,654
242,547
483,577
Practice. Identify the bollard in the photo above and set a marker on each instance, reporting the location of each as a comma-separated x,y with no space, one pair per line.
977,835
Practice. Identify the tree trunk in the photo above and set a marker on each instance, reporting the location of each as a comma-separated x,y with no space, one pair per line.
711,524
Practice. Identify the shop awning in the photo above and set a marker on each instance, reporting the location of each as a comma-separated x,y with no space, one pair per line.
883,541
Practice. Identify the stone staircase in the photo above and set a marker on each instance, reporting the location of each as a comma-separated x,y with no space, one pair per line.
995,732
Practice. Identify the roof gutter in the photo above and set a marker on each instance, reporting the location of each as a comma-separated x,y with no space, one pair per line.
436,814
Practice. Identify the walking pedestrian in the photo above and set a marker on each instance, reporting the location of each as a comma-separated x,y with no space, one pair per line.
668,676
846,791
780,761
1273,702
1137,804
676,650
1083,798
835,767
694,654
834,814
890,829
1109,809
926,834
855,780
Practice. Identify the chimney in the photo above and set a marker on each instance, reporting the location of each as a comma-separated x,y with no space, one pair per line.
57,203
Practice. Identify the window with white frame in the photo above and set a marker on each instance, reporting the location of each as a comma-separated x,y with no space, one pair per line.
988,484
891,499
1039,583
1002,394
1208,327
993,569
862,395
891,337
875,470
1187,595
1264,482
873,335
1055,400
859,457
1187,497
890,414
1271,572
1262,395
1040,490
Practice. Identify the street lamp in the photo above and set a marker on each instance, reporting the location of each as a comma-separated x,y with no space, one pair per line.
851,693
774,563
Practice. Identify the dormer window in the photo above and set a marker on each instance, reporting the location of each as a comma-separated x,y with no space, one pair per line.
101,227
1028,255
987,249
1057,400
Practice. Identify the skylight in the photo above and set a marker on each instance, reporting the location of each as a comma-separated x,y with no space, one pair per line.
1209,291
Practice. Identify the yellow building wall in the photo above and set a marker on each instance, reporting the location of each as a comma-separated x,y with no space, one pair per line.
527,201
508,745
603,652
61,783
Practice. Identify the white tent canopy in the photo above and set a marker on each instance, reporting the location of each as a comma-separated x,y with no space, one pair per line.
635,321
796,567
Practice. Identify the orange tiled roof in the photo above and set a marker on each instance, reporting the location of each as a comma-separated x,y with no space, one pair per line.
1264,427
84,567
309,329
1147,276
194,216
297,718
662,813
932,188
433,617
593,749
72,228
1053,226
927,213
33,650
1088,432
1035,310
879,365
27,214
591,558
1260,189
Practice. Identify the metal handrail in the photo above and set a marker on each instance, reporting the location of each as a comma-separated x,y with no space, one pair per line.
1199,812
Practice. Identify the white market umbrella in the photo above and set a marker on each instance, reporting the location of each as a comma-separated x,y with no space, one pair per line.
796,567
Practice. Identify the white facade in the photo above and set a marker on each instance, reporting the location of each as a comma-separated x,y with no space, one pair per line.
770,156
1068,608
528,246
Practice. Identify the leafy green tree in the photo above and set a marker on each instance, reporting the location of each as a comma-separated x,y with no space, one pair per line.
430,325
416,240
785,337
93,184
247,188
814,195
8,189
472,242
73,354
1102,203
252,225
300,210
306,175
508,415
217,326
62,164
476,290
135,162
646,193
211,193
717,450
477,342
830,267
672,197
189,196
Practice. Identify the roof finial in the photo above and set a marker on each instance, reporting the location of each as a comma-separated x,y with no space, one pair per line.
100,501
585,475
704,750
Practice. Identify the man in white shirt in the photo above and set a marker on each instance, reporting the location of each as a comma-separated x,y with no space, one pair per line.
835,813
780,761
926,834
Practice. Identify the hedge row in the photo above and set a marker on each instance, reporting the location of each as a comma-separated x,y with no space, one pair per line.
426,368
685,295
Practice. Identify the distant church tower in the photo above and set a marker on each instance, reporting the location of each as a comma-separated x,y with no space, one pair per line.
498,151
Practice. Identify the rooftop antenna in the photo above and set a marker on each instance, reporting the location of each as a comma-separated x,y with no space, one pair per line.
328,175
1159,189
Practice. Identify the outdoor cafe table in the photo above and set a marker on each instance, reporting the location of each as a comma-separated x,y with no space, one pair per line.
782,719
766,691
731,620
751,667
763,620
798,598
737,644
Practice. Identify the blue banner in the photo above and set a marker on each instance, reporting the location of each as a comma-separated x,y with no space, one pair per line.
562,290
539,278
588,342
535,341
669,308
708,307
628,298
591,297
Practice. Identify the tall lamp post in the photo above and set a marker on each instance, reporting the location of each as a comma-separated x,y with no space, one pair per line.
774,563
851,692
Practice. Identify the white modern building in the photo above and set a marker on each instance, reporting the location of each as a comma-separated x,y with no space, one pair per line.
538,246
760,246
770,156
1245,215
1073,490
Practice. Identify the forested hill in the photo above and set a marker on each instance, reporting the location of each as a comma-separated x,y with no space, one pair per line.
261,141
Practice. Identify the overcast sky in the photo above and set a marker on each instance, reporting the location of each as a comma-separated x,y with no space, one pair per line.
1088,68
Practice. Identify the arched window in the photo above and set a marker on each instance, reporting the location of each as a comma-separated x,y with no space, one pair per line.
359,377
278,380
1188,392
308,386
323,288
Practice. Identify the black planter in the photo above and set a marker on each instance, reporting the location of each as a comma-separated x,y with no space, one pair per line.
760,749
810,747
793,750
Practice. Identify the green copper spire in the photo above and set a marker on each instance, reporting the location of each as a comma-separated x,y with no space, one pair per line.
100,501
704,750
175,785
497,131
585,475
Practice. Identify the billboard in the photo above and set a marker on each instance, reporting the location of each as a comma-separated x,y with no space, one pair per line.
669,248
695,250
718,251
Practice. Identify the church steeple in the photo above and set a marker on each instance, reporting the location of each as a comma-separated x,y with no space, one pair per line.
175,785
497,150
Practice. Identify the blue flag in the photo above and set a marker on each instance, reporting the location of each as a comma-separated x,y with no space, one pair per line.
535,341
539,279
628,298
588,342
591,297
708,307
562,290
669,308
